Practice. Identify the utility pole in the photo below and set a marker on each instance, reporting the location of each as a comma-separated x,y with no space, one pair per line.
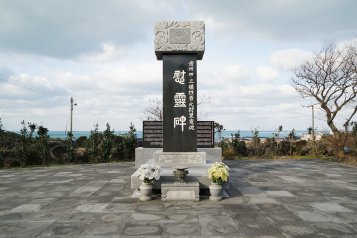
71,124
313,122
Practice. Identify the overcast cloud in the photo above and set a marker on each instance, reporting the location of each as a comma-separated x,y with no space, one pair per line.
102,54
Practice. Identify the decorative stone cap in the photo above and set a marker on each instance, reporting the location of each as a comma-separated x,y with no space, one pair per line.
186,37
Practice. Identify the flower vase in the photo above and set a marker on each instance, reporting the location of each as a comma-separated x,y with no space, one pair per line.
145,191
216,192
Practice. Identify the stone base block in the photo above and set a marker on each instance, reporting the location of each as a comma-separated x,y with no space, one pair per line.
184,159
212,154
189,191
143,155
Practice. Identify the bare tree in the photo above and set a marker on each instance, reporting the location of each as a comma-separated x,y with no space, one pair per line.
330,77
201,100
154,111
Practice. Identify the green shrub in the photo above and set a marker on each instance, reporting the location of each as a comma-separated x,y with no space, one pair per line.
43,138
238,145
106,144
130,142
24,149
81,141
256,141
229,153
70,151
92,146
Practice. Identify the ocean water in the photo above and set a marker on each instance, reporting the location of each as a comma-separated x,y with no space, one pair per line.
76,134
225,134
262,134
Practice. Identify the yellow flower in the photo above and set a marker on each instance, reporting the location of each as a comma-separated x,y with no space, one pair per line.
218,171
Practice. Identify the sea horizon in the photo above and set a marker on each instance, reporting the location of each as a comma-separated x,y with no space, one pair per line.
225,134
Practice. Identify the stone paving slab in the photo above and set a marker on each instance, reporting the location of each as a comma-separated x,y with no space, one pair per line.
267,198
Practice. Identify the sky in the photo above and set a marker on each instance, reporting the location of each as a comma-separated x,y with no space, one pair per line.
101,53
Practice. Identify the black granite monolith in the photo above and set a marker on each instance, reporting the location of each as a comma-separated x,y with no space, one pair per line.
179,103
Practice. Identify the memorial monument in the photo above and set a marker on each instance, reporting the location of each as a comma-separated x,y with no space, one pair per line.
179,45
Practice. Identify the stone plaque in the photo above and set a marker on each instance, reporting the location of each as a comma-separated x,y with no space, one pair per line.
205,134
175,159
152,134
180,35
181,158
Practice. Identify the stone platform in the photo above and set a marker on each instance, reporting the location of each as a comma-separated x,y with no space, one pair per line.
267,198
197,163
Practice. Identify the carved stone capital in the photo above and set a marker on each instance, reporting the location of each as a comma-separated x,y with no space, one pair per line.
185,37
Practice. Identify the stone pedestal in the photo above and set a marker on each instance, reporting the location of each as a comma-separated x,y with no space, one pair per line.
189,191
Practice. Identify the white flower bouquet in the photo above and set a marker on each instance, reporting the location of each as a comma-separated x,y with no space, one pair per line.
149,172
218,173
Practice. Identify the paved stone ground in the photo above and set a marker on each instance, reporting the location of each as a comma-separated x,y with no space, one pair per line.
270,198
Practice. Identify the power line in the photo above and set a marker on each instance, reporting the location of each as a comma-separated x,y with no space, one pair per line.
20,84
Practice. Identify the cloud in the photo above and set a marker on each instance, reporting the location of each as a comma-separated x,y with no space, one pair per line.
114,93
73,82
280,20
234,71
131,79
109,53
24,86
257,105
290,58
249,96
67,29
343,43
267,73
226,75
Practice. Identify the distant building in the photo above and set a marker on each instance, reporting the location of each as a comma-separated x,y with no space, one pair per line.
309,136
